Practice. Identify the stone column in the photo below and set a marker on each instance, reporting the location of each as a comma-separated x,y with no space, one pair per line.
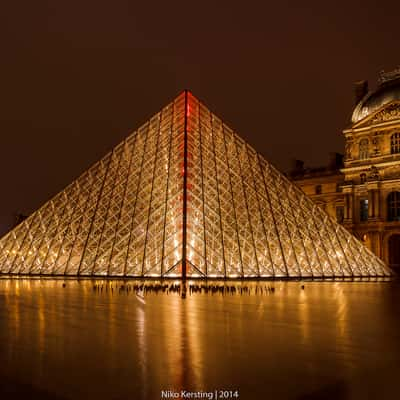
379,243
346,206
351,207
371,207
377,212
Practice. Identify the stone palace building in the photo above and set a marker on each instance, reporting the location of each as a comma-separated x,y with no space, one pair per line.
362,189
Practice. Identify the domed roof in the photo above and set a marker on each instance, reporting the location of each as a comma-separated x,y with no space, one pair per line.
387,91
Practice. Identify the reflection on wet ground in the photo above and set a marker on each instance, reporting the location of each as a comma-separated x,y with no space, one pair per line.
108,339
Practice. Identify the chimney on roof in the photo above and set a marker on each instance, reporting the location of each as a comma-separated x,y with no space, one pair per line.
335,161
297,168
360,90
18,218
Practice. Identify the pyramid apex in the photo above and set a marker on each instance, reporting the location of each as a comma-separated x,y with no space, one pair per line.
186,91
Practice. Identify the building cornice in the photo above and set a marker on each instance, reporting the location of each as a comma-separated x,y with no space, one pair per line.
363,129
368,165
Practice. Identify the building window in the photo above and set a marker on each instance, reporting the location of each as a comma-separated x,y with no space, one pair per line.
395,143
339,214
363,149
364,210
393,204
363,178
318,189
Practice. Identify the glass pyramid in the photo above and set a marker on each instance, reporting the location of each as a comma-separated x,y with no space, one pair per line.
184,196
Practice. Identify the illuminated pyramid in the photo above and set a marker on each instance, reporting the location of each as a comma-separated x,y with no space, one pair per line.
184,196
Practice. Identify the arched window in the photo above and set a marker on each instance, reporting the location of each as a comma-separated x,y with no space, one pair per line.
363,149
393,205
363,178
395,143
318,189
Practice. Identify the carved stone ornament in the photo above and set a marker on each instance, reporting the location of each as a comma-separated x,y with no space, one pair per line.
373,173
375,143
389,76
348,149
390,112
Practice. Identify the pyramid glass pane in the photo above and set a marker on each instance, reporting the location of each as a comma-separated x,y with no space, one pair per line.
184,196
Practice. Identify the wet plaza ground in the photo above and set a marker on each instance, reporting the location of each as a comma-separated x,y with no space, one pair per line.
96,339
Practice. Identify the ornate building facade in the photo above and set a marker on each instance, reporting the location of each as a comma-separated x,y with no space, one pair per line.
323,185
368,189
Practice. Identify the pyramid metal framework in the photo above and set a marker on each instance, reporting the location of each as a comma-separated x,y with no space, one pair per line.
184,196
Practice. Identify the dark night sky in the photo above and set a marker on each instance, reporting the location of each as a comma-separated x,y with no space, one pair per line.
78,76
